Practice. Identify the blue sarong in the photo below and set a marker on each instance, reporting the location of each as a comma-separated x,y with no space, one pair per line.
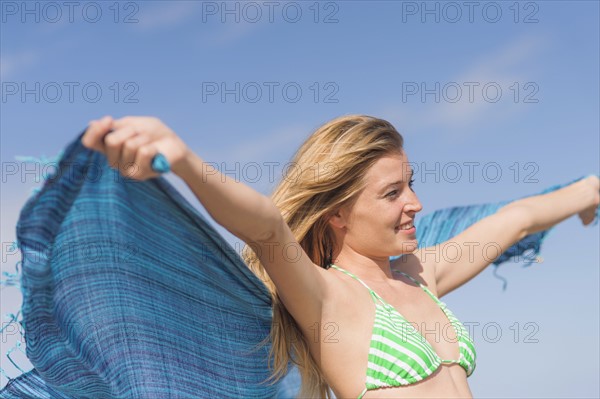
129,292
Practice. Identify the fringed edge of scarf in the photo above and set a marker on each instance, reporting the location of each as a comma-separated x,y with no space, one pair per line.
8,279
530,247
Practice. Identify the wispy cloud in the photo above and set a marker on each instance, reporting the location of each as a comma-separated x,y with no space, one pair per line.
228,33
10,63
165,15
502,68
238,158
280,143
212,30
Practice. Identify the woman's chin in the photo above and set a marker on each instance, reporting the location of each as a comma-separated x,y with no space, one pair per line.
408,247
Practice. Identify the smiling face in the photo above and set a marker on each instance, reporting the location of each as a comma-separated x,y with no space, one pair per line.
370,227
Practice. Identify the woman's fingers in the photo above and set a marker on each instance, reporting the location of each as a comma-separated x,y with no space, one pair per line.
130,144
93,137
143,162
126,121
129,153
114,142
141,123
170,148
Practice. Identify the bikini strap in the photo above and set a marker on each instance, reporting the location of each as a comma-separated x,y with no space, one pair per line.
351,275
414,280
376,296
421,285
373,293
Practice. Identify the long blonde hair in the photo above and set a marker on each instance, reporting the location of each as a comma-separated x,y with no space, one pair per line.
327,173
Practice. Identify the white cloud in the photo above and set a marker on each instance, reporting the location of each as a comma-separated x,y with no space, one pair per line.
166,15
502,69
9,63
212,30
228,33
284,141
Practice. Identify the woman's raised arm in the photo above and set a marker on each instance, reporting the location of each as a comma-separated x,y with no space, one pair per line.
246,213
131,142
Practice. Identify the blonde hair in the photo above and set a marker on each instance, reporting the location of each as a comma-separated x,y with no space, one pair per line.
328,173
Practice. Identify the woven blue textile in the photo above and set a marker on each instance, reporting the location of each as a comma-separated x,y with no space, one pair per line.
129,292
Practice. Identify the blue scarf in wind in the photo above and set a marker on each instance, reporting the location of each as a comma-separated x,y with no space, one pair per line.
129,292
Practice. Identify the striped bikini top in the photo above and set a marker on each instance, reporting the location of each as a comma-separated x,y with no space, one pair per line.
399,354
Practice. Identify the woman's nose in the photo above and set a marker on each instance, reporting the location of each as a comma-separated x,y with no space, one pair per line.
413,203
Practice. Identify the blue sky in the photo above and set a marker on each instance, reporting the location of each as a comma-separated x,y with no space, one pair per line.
511,88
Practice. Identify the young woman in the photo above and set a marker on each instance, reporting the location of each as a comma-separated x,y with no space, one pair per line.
322,243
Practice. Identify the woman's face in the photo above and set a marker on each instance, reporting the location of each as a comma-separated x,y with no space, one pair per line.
371,226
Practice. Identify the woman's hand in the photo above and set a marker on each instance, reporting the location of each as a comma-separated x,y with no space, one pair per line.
588,214
130,143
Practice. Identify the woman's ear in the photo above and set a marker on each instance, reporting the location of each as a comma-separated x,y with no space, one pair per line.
337,220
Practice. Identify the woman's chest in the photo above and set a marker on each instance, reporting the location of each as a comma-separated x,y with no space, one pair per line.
343,343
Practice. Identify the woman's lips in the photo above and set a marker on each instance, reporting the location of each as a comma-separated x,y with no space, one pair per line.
412,230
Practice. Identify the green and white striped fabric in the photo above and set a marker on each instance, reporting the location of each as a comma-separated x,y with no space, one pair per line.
399,354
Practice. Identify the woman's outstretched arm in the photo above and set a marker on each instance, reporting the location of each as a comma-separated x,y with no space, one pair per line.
482,243
134,141
580,198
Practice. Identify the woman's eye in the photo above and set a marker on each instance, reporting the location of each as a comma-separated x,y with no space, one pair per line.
393,193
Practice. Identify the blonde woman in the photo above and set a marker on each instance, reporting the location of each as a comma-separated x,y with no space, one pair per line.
350,318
